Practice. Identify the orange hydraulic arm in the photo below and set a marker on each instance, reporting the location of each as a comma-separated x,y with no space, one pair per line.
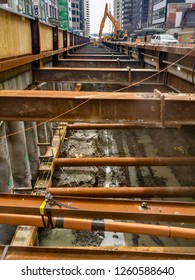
113,20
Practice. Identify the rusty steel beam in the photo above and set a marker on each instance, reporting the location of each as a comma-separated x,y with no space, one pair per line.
71,106
100,126
10,63
19,61
173,107
98,63
125,76
103,225
180,50
92,208
83,75
125,161
97,253
98,56
124,192
96,51
139,109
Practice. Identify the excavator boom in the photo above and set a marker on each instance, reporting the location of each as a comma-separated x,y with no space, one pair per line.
112,19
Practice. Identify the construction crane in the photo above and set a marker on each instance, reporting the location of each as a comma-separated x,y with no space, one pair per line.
117,34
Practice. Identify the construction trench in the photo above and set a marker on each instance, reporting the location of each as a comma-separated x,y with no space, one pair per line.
97,152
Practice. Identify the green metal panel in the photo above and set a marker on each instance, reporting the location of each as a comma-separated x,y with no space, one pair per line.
63,13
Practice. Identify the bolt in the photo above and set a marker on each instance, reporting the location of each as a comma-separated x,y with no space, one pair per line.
144,205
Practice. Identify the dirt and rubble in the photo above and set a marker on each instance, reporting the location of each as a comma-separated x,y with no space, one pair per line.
123,143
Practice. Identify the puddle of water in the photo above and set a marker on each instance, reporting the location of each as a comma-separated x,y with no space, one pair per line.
113,239
56,237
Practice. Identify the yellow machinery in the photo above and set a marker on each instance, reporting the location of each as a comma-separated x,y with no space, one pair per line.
117,34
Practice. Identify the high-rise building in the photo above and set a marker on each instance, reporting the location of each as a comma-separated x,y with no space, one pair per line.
117,11
76,9
86,13
159,11
80,16
134,14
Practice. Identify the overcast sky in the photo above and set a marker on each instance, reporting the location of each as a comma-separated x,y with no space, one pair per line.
97,8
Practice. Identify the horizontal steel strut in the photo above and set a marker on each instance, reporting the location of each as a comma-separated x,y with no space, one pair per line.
101,225
125,161
96,253
124,192
97,63
140,109
125,76
92,208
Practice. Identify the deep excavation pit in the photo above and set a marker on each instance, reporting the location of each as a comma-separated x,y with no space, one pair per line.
122,143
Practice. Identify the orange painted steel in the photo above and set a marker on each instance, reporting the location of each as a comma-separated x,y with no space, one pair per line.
124,192
99,126
10,63
104,225
97,208
97,253
71,106
127,161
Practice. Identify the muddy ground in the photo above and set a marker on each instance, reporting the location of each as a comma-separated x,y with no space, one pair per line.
123,143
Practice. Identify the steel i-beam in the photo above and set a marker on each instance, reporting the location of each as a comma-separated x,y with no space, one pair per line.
98,63
92,208
123,76
96,253
125,108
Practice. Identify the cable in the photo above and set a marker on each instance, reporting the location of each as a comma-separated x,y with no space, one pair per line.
96,96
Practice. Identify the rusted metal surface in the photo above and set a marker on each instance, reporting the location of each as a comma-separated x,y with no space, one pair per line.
180,84
124,192
127,161
71,106
98,63
15,62
84,75
180,50
94,50
100,126
124,76
103,225
184,73
130,108
92,208
98,56
94,253
18,61
175,112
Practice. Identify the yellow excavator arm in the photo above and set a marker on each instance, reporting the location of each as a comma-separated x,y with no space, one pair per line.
114,22
112,19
